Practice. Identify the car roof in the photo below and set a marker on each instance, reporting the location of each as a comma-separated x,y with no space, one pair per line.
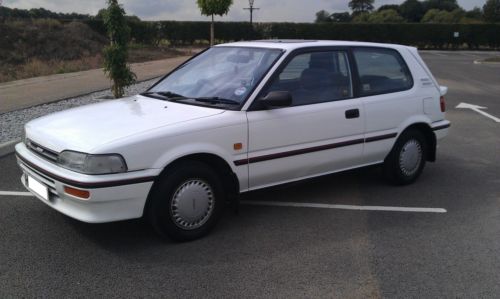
292,44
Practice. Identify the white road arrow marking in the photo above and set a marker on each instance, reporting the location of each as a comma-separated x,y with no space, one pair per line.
478,110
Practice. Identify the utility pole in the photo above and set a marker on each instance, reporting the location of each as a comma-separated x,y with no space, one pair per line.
251,9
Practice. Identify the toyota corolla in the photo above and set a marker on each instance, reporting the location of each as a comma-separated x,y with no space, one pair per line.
237,117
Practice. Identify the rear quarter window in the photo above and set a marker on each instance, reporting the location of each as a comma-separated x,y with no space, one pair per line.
381,71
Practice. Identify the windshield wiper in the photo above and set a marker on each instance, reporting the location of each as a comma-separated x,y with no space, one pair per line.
171,96
217,100
163,95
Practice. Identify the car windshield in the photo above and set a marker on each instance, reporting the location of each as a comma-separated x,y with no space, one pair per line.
221,76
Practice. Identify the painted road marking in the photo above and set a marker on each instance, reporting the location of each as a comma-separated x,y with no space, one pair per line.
15,193
342,207
304,205
477,109
435,53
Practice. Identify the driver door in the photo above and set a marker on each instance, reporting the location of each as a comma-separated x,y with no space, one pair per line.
321,132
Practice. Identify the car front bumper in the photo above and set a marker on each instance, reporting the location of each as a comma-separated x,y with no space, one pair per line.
112,197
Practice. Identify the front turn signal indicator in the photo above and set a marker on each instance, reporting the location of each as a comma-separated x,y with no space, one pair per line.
83,194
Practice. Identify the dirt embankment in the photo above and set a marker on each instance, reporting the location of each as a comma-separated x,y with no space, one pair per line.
38,47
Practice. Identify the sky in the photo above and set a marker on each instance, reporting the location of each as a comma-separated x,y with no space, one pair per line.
186,10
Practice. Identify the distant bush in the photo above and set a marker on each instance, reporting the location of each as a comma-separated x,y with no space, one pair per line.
425,36
38,13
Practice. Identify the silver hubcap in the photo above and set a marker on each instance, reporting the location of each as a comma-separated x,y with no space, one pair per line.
192,204
410,157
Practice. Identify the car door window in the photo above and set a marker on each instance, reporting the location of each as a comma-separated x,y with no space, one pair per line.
315,78
381,71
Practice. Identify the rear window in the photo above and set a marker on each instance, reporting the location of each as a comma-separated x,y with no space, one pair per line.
381,71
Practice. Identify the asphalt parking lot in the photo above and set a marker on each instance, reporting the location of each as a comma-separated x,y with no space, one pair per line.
282,251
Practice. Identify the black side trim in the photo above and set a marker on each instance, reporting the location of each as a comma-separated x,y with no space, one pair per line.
312,149
441,127
298,152
91,185
381,137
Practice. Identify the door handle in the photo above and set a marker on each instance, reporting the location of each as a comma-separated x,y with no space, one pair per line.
353,113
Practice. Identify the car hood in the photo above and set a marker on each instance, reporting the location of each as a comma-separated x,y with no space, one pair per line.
87,127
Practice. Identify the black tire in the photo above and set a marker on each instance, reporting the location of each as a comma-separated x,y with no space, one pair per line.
162,206
394,167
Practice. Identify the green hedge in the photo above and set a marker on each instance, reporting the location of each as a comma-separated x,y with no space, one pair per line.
424,36
435,36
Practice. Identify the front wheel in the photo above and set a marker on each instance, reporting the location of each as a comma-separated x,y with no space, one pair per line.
186,202
406,161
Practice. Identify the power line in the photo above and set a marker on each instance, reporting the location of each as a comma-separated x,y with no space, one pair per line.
251,9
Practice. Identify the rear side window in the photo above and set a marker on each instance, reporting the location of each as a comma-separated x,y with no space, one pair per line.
381,71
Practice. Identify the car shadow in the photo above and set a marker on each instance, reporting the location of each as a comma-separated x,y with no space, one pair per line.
127,237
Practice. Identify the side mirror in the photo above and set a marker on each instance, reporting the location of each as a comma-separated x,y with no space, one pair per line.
276,99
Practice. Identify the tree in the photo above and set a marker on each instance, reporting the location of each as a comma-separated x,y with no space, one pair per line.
385,16
492,11
389,6
361,6
432,16
101,14
448,5
340,17
412,10
362,17
322,16
475,13
116,53
474,16
212,8
443,16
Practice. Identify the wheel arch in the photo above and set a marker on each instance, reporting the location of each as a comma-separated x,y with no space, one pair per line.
429,135
217,163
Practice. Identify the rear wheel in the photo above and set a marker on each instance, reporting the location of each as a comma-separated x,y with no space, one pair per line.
405,162
187,201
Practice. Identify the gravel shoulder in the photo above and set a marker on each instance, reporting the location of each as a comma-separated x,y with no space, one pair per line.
12,123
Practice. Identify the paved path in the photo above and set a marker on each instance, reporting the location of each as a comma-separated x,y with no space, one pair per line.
30,92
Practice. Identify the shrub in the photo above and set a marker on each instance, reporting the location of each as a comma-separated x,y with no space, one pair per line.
116,54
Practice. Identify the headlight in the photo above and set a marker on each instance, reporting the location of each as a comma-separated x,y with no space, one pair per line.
92,164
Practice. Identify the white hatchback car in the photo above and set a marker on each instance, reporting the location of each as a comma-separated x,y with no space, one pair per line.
237,117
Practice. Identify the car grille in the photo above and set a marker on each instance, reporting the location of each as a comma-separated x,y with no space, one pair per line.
42,151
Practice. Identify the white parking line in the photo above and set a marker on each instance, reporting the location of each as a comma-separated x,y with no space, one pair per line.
303,205
342,207
438,54
15,193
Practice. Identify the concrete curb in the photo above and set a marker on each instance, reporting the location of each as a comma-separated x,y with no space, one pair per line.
8,147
